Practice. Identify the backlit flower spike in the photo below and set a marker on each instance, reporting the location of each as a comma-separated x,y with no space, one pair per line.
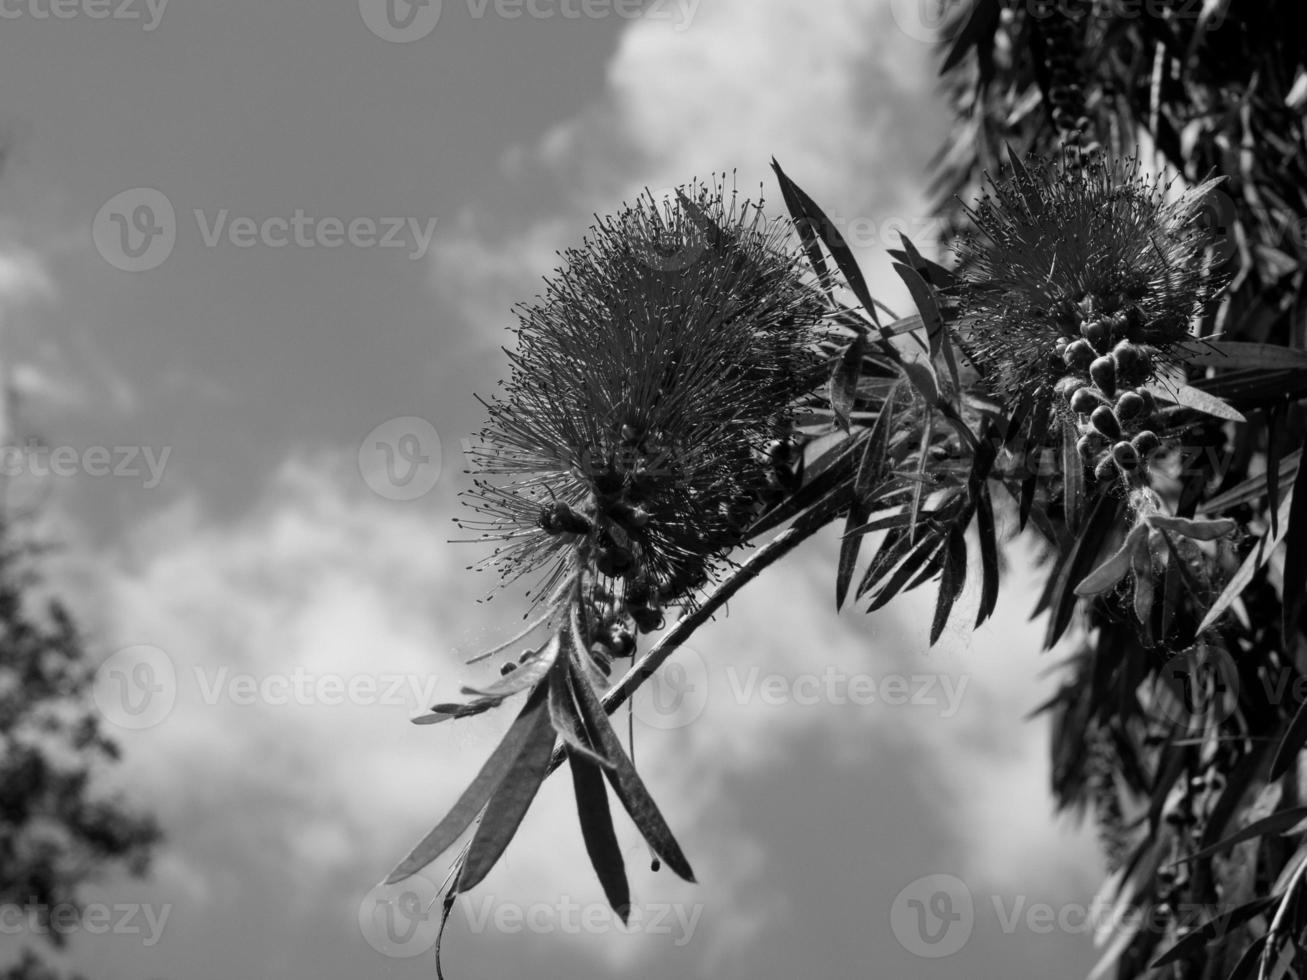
1077,283
647,382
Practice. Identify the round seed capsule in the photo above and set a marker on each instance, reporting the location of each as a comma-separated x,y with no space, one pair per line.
1105,421
1098,333
1078,354
1103,371
1129,406
1105,471
1084,401
1146,443
1126,456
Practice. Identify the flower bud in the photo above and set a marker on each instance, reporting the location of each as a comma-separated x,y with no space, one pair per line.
1129,406
1098,333
1133,363
1068,386
1103,371
1146,443
1105,471
1089,444
1126,456
1084,401
1105,421
1078,354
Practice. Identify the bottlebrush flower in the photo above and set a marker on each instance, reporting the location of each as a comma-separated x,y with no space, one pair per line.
647,381
1066,266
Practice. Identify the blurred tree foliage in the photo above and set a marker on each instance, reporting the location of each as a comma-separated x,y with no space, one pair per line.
1205,824
58,830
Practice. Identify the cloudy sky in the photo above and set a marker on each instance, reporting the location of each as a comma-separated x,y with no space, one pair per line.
256,257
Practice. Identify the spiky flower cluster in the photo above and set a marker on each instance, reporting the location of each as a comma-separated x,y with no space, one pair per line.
1078,280
652,391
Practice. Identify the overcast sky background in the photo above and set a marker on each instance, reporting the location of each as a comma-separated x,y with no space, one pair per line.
268,543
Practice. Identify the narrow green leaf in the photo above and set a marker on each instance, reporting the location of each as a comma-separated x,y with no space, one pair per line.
923,297
626,782
1200,401
564,717
1274,824
533,718
1214,928
509,803
954,577
844,381
1294,585
1258,557
528,674
1295,736
597,831
1106,576
989,569
1198,530
1239,354
832,239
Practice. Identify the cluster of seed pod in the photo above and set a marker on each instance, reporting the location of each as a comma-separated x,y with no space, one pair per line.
1186,812
1117,416
1060,30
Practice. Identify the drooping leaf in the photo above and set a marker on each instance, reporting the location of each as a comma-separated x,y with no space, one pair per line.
564,717
1106,576
598,833
844,381
1239,354
869,468
1076,565
626,782
531,722
951,581
1295,557
1258,557
923,297
989,570
977,32
510,801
